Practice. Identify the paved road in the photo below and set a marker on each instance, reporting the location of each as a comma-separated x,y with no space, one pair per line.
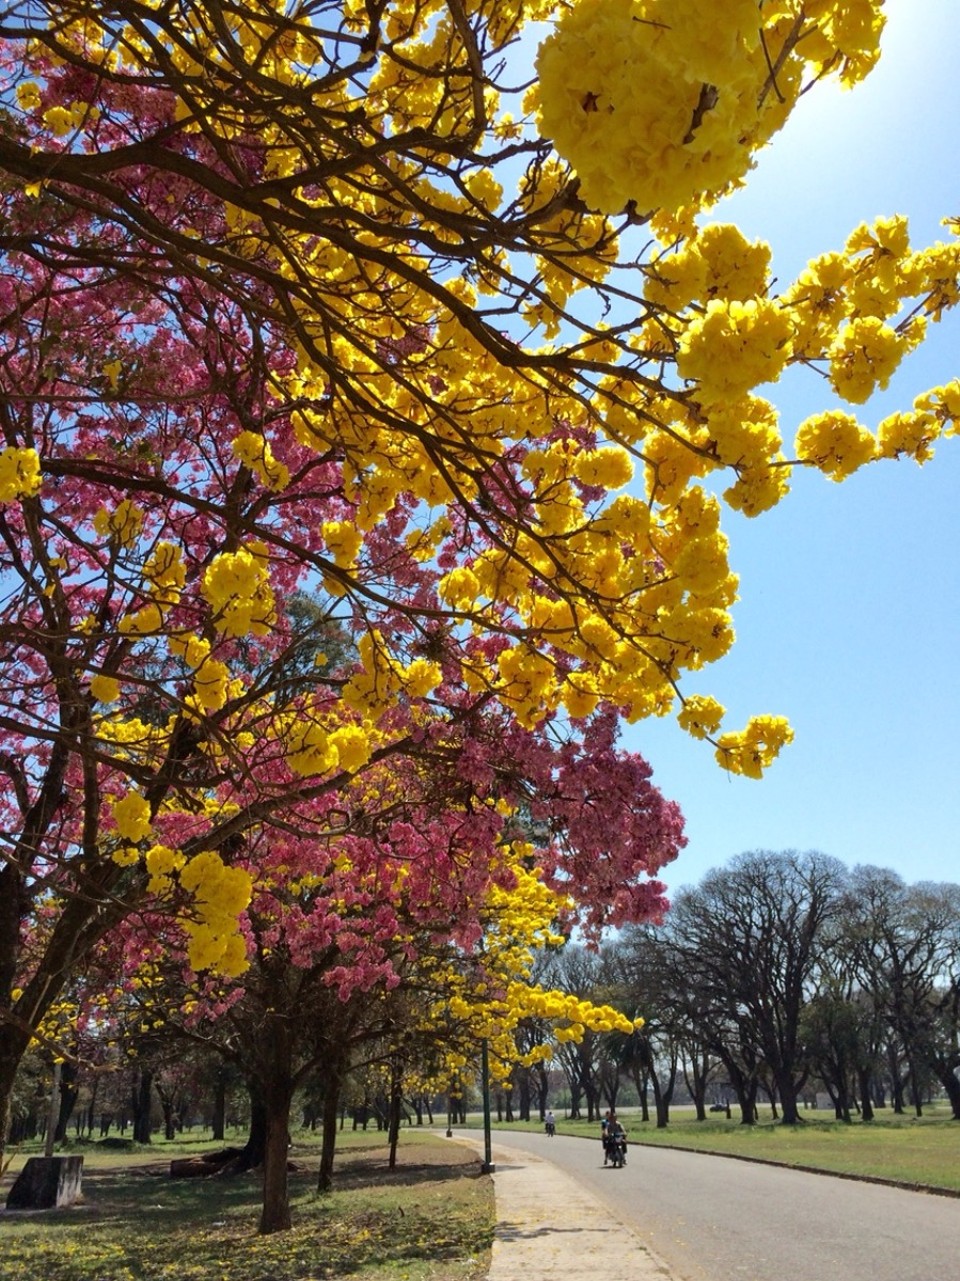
713,1219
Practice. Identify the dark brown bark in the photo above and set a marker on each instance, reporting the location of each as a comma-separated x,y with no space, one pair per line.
396,1102
141,1099
331,1103
276,1089
275,1213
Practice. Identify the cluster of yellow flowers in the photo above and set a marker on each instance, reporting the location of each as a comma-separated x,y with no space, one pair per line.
493,1005
714,317
104,688
315,748
734,346
751,750
162,861
220,893
380,679
255,453
131,813
166,573
19,474
237,587
123,523
661,103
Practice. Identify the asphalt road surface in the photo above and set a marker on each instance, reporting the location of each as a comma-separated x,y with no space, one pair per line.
713,1219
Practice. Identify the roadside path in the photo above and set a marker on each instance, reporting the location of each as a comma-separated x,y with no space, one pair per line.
551,1228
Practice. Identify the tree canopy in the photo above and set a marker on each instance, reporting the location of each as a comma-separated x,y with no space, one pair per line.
361,301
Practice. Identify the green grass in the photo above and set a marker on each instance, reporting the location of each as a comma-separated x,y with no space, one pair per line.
903,1149
430,1219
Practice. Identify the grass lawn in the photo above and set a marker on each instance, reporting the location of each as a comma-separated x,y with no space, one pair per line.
902,1148
430,1219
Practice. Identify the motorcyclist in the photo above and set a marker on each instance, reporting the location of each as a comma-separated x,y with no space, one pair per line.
619,1136
606,1124
614,1139
549,1124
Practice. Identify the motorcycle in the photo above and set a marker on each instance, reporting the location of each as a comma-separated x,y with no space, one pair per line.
615,1149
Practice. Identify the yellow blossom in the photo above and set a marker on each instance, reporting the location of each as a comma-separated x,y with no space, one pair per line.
19,474
835,442
105,689
124,523
131,814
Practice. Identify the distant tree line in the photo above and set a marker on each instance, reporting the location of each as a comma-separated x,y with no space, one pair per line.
779,976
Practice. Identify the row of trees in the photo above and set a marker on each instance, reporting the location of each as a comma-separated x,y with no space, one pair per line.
787,974
781,974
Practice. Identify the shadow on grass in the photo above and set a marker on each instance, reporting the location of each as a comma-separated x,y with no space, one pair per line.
136,1222
373,1168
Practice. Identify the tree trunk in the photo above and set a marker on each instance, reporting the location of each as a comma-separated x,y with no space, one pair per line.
141,1098
92,1106
13,1044
275,1213
789,1111
948,1079
866,1100
663,1114
523,1085
275,1060
255,1148
331,1101
167,1108
220,1105
396,1100
69,1092
543,1088
747,1100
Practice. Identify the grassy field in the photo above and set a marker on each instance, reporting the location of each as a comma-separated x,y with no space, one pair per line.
903,1149
430,1219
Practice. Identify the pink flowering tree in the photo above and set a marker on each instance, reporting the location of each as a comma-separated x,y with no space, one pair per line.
377,904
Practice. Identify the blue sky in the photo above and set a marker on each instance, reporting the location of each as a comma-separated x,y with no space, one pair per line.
849,617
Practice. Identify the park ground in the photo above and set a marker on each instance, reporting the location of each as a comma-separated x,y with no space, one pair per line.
430,1219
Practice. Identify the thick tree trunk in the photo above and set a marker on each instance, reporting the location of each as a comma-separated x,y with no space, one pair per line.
275,1213
91,1111
747,1100
543,1088
523,1085
169,1116
789,1110
663,1114
12,1047
276,1085
641,1079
